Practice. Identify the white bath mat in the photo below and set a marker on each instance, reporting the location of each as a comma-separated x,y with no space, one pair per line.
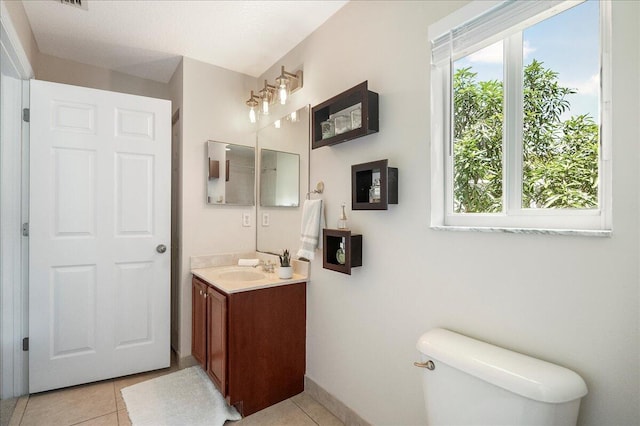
186,397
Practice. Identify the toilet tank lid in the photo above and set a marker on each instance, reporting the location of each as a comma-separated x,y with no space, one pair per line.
521,374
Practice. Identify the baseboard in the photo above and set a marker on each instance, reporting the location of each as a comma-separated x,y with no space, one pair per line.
348,416
18,410
6,410
186,362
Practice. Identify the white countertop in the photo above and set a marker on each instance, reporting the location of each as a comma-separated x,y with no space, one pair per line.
215,277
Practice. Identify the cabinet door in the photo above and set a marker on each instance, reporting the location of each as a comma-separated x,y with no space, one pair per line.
217,335
266,347
199,322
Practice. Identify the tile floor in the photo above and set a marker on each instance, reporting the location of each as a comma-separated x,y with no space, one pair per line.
101,404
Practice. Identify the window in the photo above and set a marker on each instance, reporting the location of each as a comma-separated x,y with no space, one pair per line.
519,132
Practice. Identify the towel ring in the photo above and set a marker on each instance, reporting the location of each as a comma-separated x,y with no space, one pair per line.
319,189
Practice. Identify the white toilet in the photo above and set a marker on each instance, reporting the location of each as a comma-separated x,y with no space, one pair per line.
469,382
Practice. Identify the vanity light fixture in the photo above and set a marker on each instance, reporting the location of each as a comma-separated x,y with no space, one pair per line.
286,84
266,97
252,103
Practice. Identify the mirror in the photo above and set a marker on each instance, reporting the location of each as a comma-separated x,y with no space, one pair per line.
279,178
231,174
284,181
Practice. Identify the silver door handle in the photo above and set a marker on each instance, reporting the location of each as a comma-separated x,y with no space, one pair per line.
161,248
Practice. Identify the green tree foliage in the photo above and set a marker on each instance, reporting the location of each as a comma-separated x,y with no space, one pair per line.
560,157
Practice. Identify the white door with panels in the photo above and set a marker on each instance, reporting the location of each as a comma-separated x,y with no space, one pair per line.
100,230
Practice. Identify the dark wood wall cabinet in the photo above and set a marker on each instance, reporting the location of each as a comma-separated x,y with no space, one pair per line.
374,186
254,342
349,115
350,246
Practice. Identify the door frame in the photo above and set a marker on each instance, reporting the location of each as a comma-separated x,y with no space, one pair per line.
176,143
15,189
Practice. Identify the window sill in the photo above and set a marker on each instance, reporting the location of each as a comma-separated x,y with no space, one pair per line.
531,231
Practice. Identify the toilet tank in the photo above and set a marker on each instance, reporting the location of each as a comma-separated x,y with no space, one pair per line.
476,383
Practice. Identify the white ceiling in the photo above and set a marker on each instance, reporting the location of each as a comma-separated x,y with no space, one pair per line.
147,38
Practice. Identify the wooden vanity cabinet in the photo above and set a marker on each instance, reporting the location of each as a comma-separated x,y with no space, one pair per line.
255,344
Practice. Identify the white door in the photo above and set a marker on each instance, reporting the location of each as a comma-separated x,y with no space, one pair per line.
99,286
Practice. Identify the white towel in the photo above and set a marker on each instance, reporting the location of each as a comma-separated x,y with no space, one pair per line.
311,229
248,262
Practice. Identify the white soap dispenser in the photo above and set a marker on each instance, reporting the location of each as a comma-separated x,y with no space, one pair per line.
342,221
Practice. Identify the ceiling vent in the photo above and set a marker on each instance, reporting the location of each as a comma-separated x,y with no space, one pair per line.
80,4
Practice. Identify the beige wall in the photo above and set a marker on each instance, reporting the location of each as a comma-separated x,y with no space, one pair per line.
212,108
569,300
175,89
52,68
23,29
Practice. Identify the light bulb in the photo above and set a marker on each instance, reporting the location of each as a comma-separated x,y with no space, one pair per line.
252,115
265,106
283,94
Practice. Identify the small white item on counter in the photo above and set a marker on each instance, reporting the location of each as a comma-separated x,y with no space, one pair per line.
248,262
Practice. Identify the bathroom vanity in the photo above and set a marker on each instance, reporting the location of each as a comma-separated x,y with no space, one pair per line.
249,334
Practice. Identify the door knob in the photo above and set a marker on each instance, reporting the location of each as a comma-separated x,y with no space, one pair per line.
161,248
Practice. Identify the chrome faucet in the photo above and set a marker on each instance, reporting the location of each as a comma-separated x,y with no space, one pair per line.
267,266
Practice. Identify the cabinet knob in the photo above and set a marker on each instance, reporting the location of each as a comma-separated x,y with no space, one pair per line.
200,292
205,295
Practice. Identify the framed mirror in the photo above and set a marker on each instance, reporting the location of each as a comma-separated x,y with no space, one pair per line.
279,178
231,174
283,181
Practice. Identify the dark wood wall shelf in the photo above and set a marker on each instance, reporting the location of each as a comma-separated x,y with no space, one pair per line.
345,105
362,178
331,239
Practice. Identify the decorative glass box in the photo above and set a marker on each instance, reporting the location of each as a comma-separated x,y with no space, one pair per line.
342,123
328,129
356,117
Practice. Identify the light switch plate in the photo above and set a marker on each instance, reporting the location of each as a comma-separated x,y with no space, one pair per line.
246,219
265,219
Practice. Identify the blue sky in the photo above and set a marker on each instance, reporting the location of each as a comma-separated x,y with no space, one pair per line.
568,43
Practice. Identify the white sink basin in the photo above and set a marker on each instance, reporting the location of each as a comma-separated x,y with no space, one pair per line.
241,275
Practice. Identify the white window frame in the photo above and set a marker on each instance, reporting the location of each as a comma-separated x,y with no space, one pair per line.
514,217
